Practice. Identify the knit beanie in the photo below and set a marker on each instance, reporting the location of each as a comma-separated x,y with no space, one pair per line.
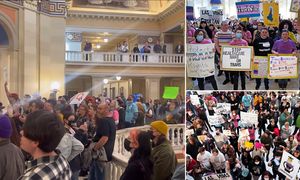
160,126
5,127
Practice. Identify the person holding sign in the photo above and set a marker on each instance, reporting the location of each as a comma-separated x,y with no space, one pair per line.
262,47
238,41
223,37
284,46
201,37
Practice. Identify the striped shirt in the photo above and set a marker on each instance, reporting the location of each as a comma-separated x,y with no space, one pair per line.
48,168
224,38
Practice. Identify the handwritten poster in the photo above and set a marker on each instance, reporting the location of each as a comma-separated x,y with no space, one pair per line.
260,67
215,120
222,176
236,58
248,9
289,165
283,67
223,108
249,118
200,60
194,100
211,16
271,14
78,98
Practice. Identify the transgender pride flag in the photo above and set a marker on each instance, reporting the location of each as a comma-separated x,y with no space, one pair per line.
248,9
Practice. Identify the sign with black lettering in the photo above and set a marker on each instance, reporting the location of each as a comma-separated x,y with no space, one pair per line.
211,16
236,58
222,176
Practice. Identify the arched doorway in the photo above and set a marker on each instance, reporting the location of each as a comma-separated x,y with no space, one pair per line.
9,68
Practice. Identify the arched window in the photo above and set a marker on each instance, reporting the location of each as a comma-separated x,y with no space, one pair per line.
3,37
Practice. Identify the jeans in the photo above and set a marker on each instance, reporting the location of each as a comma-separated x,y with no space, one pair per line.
75,175
282,83
258,83
236,75
97,170
212,81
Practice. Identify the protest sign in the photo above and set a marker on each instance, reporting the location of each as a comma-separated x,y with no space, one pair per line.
211,16
194,100
200,60
289,165
189,13
249,118
248,9
170,92
283,66
295,5
78,98
222,176
236,58
271,13
227,132
260,67
222,108
189,132
215,120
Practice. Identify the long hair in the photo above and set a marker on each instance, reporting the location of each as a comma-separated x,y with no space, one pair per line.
144,149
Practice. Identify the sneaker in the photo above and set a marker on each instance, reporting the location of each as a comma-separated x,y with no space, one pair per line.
226,81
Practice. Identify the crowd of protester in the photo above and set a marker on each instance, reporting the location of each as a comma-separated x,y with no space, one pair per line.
44,138
212,151
284,39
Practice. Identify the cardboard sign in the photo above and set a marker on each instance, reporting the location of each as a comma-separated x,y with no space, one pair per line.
194,100
211,16
227,132
170,92
289,165
200,60
215,120
271,14
295,5
283,67
260,65
222,176
222,108
248,9
236,58
78,98
249,118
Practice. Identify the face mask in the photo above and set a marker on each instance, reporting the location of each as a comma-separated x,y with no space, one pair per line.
254,26
199,38
266,178
127,145
238,35
257,163
229,120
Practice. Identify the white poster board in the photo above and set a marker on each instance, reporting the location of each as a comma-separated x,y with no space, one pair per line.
194,100
236,58
200,60
222,108
289,165
211,16
227,132
189,132
78,98
249,118
283,67
215,120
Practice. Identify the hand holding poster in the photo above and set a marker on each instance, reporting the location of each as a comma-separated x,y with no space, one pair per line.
222,108
248,9
170,92
194,100
200,60
289,165
260,67
78,98
215,120
283,67
271,14
236,58
249,118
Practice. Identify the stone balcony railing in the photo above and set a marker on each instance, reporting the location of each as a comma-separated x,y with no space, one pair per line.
124,58
121,156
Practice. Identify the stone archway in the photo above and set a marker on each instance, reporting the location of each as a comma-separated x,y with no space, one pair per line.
9,66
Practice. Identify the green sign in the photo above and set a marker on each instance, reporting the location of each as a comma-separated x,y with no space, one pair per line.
170,92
